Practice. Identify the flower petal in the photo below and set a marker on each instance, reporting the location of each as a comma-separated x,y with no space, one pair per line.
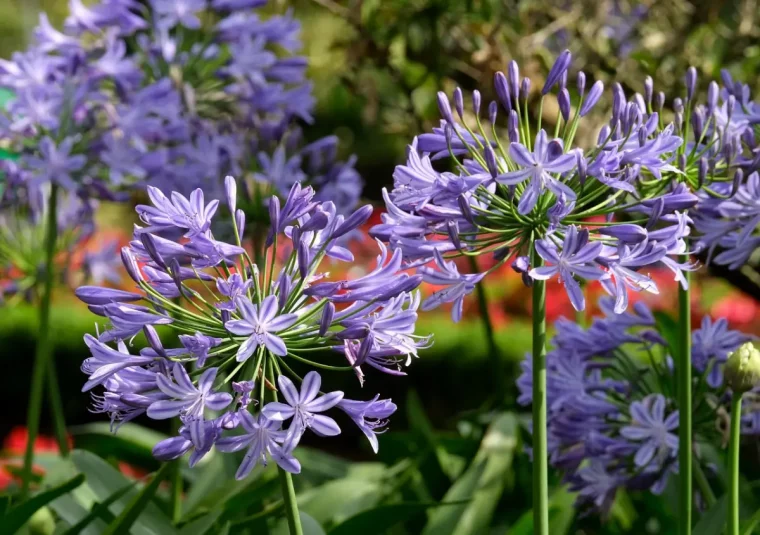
321,404
246,349
275,344
324,426
280,323
165,409
288,390
239,327
310,387
274,410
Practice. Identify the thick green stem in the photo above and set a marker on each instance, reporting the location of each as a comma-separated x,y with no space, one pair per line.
43,348
56,406
733,464
176,481
683,374
540,461
485,317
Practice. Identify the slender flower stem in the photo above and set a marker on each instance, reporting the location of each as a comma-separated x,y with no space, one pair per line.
485,317
286,479
733,464
176,481
704,486
291,505
43,349
683,374
56,406
540,461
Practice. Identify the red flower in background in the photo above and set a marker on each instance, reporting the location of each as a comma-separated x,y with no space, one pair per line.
14,447
738,308
13,450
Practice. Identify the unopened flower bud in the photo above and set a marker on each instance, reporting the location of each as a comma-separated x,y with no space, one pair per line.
563,99
493,110
691,82
698,122
476,102
592,98
445,107
742,369
459,102
514,78
712,97
525,88
521,264
730,104
512,132
738,178
702,172
502,90
490,157
581,83
648,90
659,102
501,253
557,71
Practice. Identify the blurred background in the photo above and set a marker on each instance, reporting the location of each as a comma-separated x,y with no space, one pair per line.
376,67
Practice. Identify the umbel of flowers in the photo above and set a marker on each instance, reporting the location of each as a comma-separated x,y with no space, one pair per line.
175,94
245,329
608,211
728,214
579,209
613,417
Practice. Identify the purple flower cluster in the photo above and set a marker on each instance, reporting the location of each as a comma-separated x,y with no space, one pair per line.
535,193
144,92
613,421
724,160
245,328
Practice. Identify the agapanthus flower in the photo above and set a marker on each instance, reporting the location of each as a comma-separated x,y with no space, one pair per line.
612,413
231,380
578,212
121,98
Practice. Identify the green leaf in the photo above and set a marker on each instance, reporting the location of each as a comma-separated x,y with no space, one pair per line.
482,483
5,503
133,443
381,519
127,517
309,525
99,510
751,524
201,525
17,516
713,520
668,328
102,481
337,500
561,515
420,423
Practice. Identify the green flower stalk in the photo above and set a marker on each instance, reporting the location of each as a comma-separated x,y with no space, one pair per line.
742,374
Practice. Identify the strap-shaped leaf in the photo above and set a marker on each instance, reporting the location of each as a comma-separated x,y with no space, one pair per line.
98,511
127,517
17,516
